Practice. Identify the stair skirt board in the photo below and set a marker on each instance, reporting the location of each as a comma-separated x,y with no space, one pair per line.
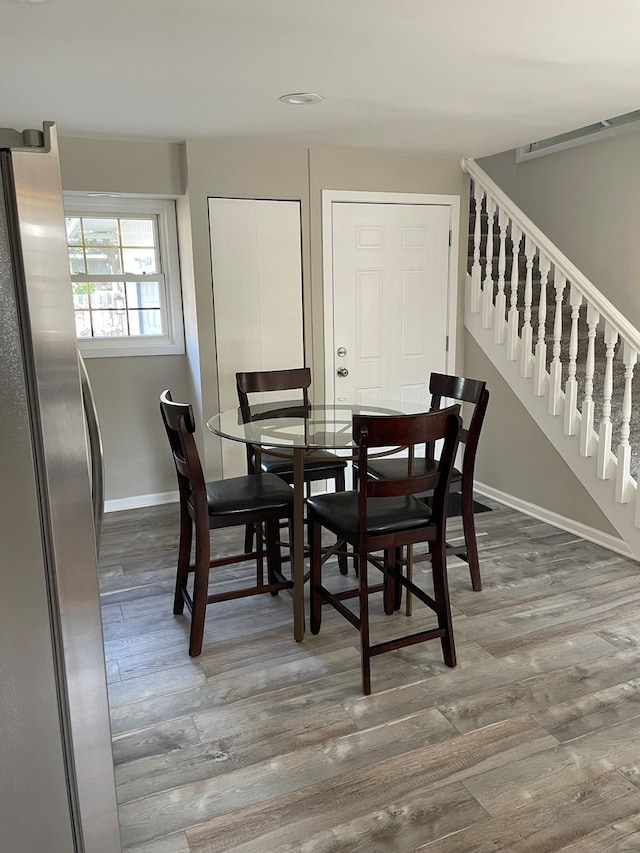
620,515
583,531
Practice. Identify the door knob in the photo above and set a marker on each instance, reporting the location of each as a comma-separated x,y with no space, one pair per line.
342,371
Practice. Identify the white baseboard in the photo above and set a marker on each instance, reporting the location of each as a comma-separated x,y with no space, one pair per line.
613,543
606,540
136,501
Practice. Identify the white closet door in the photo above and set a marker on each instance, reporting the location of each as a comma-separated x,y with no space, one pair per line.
257,295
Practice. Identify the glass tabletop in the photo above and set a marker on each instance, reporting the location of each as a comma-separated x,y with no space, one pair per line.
293,425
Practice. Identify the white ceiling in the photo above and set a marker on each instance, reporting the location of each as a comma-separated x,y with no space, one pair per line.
469,77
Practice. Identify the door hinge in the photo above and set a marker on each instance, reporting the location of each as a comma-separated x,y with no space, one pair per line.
450,237
446,344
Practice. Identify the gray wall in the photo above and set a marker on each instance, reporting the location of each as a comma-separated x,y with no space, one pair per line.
126,389
252,171
585,199
234,171
376,171
516,457
136,456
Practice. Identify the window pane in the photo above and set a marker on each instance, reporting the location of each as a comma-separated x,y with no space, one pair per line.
109,324
101,232
146,322
137,232
138,261
74,231
76,260
110,241
83,324
108,294
105,261
143,294
81,291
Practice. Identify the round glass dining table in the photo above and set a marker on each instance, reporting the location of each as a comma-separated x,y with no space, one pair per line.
297,430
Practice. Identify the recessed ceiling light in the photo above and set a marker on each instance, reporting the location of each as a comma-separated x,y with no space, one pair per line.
301,98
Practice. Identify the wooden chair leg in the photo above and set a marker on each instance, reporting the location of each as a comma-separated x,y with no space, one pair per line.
184,559
342,557
469,528
274,557
389,581
315,599
397,591
441,596
365,654
249,532
260,557
200,592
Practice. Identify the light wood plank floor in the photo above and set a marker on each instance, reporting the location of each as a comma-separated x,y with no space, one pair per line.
531,745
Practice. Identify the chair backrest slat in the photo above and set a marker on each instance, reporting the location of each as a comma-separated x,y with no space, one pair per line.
462,390
260,381
372,432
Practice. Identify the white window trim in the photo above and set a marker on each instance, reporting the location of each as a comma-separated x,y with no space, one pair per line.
173,342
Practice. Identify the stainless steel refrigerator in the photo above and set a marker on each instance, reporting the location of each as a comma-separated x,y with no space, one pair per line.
57,791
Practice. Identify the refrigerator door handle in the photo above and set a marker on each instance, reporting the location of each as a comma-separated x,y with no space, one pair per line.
96,456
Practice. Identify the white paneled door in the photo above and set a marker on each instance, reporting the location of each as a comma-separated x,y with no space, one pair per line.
390,299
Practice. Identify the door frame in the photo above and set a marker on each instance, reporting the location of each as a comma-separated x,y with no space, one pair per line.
331,196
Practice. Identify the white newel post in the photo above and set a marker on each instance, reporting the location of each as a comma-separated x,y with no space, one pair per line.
487,293
512,322
604,446
501,299
555,383
571,386
540,369
527,329
629,357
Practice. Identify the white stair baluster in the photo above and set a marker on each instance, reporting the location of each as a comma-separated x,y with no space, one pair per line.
578,358
604,445
540,370
512,323
487,291
501,299
586,433
527,329
629,358
555,383
571,386
476,270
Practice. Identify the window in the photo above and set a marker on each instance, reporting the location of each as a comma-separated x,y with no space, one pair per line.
123,258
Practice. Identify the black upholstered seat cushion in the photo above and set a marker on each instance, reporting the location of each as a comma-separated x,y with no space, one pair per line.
315,462
385,515
396,468
251,493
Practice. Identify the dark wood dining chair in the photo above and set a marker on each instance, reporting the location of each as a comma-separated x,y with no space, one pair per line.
256,499
386,515
474,393
318,464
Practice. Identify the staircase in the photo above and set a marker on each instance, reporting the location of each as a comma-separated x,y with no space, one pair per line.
567,353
